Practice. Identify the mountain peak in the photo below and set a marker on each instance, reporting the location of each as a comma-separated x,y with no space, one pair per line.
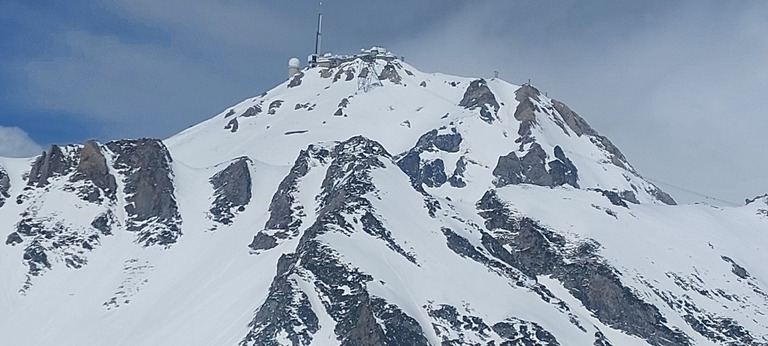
365,202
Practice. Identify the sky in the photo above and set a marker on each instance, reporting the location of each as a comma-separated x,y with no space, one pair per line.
678,86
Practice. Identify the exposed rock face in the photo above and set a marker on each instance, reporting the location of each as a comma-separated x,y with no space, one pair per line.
251,111
54,162
285,212
5,186
455,328
532,169
232,190
390,73
523,244
736,269
526,110
361,318
573,120
93,168
756,198
432,172
296,80
49,236
457,179
478,95
151,205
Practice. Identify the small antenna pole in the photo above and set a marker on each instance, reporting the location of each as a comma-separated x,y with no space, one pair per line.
319,35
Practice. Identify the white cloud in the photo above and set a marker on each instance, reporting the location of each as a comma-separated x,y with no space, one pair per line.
16,143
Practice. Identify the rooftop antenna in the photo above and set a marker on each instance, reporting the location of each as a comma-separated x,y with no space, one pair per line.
319,35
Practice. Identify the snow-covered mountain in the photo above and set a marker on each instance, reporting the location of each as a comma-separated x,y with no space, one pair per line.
363,202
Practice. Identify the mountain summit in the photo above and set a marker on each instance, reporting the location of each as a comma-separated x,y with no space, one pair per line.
363,202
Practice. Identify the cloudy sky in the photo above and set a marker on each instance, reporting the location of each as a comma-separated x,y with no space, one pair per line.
679,86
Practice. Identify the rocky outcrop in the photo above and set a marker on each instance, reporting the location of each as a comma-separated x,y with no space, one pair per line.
285,212
532,169
52,163
457,178
430,172
525,112
93,170
5,186
150,202
47,232
390,73
575,122
523,244
251,111
361,318
660,195
296,80
478,95
455,328
232,190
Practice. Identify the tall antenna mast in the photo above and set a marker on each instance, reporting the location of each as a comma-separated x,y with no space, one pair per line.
319,35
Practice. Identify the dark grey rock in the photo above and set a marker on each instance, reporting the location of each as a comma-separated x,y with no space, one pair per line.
526,110
756,198
273,106
629,196
263,241
103,223
524,332
478,95
232,125
93,167
508,170
361,319
736,269
5,186
36,258
251,111
296,80
562,170
534,250
576,123
54,162
232,190
613,197
449,322
433,173
448,142
534,167
660,195
457,179
285,212
230,113
601,340
390,73
13,239
287,310
146,166
410,164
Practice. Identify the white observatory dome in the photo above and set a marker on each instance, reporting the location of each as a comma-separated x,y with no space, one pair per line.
293,67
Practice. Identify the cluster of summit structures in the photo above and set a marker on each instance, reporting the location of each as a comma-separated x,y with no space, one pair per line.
330,60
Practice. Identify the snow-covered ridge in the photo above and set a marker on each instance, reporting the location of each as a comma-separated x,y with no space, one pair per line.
365,202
